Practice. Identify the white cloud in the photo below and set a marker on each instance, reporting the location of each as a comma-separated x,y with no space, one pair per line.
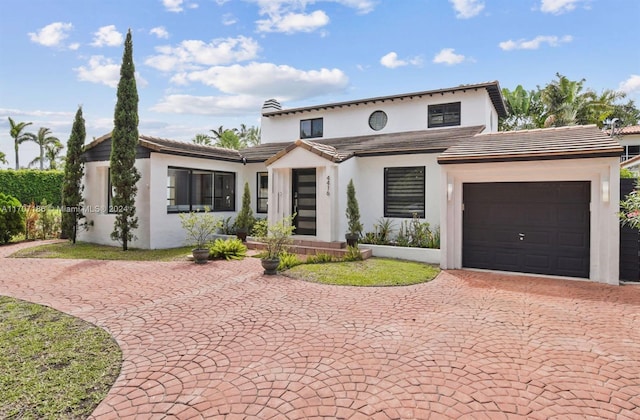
631,85
448,56
173,5
391,61
535,43
362,6
7,112
160,32
74,46
51,35
228,19
290,16
107,36
103,70
293,22
191,54
267,80
466,9
208,105
558,7
100,69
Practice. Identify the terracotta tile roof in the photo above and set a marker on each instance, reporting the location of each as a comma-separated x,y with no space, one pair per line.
190,149
549,143
340,149
632,129
161,145
493,88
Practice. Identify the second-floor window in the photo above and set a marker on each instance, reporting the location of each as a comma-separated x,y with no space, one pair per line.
311,128
444,115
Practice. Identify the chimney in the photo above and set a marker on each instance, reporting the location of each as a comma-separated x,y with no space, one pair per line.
271,105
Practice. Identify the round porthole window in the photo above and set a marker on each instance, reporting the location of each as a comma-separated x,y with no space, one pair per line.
378,120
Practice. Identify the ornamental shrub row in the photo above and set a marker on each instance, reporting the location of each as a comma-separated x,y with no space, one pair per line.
32,185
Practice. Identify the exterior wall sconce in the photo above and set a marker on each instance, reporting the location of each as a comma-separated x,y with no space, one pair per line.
328,184
605,191
449,191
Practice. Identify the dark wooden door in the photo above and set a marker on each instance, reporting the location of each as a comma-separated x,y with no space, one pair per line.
304,201
529,227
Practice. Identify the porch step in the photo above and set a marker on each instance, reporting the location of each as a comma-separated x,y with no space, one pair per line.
306,247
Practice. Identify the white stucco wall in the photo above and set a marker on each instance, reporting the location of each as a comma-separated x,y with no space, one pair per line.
370,186
605,230
403,115
96,203
157,228
280,178
167,231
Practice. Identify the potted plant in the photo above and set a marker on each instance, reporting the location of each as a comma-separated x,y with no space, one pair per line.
245,219
276,237
354,227
200,228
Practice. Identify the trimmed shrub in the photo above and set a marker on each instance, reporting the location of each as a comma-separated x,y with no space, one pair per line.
319,258
11,217
288,260
32,185
230,249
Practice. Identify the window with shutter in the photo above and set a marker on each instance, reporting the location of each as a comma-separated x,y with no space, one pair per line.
404,192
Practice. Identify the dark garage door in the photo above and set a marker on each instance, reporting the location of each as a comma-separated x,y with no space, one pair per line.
529,227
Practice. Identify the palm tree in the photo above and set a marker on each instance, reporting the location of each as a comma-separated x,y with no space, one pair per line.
230,140
202,139
249,136
524,109
564,101
3,158
18,136
51,154
43,139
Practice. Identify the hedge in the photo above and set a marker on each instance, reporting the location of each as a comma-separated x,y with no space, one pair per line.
32,185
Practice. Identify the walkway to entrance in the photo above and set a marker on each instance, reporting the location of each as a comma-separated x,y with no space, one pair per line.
203,341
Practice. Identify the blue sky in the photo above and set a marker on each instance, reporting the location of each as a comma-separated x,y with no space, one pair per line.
206,63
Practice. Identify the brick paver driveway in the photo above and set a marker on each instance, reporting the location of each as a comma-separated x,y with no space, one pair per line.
221,340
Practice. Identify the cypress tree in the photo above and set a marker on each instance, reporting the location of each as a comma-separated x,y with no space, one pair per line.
72,185
124,140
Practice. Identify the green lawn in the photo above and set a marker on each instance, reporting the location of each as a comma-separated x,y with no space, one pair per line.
52,365
102,252
370,272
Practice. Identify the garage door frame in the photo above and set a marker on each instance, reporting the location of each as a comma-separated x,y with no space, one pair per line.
529,227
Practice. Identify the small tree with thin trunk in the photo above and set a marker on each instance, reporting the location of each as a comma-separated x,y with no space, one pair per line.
124,141
73,172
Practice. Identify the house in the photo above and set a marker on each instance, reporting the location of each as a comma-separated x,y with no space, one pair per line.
538,201
629,139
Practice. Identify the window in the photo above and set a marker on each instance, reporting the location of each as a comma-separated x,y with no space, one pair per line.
224,191
444,115
311,128
377,120
630,152
404,191
263,192
110,192
192,189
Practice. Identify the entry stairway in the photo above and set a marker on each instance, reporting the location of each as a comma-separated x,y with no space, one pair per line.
310,247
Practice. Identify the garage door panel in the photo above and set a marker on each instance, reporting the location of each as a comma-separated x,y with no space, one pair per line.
533,227
573,239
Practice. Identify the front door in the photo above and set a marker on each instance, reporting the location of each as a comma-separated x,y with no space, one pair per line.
304,201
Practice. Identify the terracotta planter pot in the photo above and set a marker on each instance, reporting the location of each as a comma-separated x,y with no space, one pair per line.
270,266
200,255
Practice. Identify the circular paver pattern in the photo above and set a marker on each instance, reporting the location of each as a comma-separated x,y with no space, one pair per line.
224,341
